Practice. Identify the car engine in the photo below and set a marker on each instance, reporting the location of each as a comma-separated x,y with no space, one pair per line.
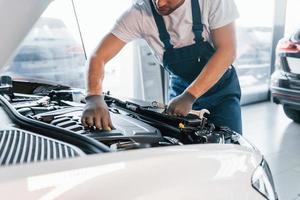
54,112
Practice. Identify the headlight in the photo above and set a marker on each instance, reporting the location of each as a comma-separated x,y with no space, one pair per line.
262,181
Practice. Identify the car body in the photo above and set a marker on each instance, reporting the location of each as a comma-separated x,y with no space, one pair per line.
190,172
285,82
46,153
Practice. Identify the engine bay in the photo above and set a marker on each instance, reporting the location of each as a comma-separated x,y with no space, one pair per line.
55,111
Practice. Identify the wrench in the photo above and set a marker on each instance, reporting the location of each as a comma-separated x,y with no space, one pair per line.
199,113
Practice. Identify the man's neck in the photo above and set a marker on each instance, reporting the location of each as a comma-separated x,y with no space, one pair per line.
179,4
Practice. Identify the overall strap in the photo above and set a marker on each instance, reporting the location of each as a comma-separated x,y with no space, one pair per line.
164,36
197,22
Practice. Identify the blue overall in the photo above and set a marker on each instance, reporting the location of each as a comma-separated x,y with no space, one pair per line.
185,64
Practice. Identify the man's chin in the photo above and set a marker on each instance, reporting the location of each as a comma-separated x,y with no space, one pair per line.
164,12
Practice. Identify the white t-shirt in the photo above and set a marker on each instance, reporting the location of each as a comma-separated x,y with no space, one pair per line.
138,22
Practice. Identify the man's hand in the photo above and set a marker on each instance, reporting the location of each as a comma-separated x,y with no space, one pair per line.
181,105
96,113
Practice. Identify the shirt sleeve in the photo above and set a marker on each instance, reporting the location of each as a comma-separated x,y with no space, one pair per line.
129,27
222,12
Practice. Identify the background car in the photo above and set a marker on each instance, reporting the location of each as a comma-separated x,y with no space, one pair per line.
285,82
50,52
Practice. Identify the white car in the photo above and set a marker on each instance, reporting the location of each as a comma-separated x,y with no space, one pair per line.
45,153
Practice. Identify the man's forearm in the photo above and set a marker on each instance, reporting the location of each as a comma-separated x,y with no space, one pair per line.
212,72
95,76
107,49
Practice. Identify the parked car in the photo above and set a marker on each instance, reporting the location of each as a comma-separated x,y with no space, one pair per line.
285,82
46,153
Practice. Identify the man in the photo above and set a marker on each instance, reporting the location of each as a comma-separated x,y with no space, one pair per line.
195,42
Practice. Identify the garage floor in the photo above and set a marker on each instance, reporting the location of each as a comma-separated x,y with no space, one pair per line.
278,138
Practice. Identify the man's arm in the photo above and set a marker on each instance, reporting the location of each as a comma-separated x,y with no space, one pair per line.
107,49
224,40
225,45
96,111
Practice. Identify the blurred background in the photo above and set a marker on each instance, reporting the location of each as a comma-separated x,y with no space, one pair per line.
55,47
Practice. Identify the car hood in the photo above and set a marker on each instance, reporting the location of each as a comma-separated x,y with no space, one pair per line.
17,17
190,172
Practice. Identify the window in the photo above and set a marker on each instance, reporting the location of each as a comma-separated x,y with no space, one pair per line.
52,51
96,19
254,35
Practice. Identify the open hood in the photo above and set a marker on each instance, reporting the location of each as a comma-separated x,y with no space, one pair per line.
17,17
